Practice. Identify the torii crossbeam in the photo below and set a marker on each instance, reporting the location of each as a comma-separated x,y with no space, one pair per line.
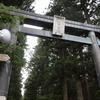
47,22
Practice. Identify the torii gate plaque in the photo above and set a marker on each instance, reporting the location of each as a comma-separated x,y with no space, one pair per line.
58,26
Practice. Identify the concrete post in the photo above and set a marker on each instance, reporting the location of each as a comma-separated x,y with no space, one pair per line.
96,54
5,72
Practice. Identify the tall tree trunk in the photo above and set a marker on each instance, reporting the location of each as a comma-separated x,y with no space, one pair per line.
79,90
87,15
64,79
64,88
86,88
70,95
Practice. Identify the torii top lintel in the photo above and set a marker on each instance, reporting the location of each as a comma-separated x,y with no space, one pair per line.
43,20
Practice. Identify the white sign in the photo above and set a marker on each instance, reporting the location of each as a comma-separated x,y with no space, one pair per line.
4,57
2,98
58,25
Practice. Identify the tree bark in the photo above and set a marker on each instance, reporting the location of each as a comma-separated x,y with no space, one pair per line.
86,88
64,79
64,88
79,90
87,15
71,89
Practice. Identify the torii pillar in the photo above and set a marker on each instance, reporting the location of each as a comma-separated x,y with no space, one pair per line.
95,53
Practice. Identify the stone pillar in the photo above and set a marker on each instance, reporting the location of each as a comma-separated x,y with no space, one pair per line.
96,54
5,73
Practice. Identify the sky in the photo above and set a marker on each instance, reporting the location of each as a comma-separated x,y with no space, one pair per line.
40,8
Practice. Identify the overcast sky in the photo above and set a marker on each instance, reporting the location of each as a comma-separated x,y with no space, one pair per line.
40,6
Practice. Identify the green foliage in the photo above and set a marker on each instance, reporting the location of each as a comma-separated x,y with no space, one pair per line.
6,18
22,4
66,8
97,95
49,97
15,51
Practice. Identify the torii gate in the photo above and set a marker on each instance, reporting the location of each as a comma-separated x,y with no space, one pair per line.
60,22
58,33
